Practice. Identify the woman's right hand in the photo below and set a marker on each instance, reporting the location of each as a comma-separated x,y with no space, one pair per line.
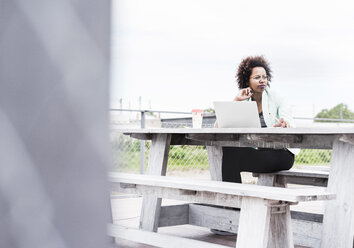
243,94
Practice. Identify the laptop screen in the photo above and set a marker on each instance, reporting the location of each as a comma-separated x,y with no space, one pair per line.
237,114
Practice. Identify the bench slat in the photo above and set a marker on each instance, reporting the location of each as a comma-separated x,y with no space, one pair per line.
204,197
300,173
157,239
295,176
270,193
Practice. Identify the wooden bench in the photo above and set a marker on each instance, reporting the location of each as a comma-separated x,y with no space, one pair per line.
264,217
293,176
307,226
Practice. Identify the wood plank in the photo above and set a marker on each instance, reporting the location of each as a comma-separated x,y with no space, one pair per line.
141,136
307,227
338,222
254,224
261,137
320,182
211,187
157,239
280,229
307,233
308,141
174,215
204,197
294,176
158,156
305,216
214,217
304,173
300,130
212,136
258,140
150,211
215,162
269,180
284,138
347,138
272,141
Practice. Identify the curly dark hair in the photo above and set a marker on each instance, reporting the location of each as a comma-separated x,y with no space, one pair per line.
244,70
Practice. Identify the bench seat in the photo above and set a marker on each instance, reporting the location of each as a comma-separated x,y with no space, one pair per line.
265,215
297,176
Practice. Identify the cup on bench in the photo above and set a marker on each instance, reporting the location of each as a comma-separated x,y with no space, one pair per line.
197,118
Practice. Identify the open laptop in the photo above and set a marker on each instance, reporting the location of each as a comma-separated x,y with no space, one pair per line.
237,114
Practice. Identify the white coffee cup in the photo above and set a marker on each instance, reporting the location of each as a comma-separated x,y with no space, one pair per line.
197,118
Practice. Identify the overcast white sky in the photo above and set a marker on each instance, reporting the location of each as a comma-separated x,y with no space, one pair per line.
183,54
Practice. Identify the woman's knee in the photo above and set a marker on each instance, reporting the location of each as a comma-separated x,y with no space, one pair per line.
288,161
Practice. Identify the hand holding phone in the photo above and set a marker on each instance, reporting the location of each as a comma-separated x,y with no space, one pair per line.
244,94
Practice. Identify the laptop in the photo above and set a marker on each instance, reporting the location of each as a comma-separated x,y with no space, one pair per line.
237,114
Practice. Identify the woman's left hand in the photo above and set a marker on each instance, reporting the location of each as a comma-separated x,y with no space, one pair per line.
281,123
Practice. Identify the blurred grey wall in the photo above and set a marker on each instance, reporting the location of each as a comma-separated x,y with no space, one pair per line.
54,96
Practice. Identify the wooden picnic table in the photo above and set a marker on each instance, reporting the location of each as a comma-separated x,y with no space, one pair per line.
338,222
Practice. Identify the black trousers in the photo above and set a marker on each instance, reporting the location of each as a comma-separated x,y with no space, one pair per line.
262,160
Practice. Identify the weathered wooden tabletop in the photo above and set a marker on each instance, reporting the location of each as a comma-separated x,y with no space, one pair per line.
321,138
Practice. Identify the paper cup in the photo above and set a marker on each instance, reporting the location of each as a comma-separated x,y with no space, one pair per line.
197,118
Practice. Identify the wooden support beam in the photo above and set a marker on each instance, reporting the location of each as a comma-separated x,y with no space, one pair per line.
307,227
214,217
338,222
215,162
157,239
150,211
253,224
174,215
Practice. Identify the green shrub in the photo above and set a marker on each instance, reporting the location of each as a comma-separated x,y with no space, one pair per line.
314,157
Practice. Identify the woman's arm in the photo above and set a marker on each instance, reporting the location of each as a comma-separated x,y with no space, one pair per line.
284,113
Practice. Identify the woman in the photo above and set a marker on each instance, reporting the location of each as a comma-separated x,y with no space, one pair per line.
253,78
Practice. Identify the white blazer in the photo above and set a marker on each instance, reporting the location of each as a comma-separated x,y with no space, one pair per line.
274,104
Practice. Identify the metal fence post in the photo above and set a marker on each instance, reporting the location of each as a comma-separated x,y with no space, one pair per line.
142,145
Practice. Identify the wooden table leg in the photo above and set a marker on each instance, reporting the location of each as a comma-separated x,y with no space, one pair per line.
280,231
150,211
338,221
215,161
260,227
269,180
253,227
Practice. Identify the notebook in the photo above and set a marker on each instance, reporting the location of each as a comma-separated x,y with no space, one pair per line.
237,114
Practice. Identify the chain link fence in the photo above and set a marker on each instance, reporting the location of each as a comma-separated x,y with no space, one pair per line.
127,155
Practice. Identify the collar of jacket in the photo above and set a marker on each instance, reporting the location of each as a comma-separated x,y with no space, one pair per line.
265,108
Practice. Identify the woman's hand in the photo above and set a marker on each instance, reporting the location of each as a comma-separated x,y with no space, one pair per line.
281,123
243,94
